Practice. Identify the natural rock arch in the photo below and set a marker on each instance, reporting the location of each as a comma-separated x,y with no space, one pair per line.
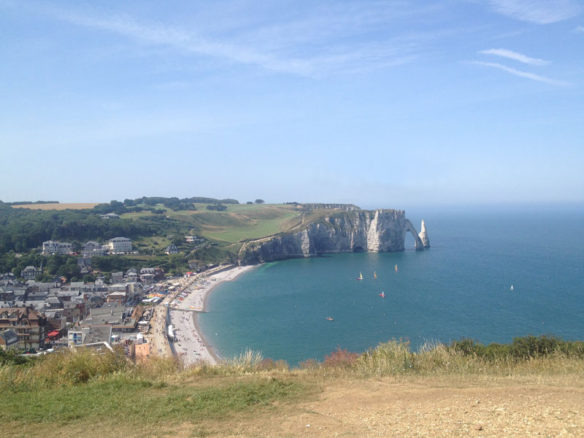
418,242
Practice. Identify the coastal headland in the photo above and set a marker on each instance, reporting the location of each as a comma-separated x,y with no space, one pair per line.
336,230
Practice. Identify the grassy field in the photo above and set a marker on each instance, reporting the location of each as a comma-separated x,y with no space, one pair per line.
224,230
154,244
250,229
59,206
238,223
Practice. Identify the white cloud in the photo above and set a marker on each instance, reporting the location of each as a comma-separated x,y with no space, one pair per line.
579,29
189,42
310,46
521,74
509,54
537,11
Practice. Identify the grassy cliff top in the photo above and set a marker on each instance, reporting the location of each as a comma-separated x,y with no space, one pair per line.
442,390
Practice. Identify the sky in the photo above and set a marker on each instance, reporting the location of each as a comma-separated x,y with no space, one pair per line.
385,103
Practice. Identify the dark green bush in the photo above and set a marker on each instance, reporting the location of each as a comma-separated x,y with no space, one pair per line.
526,347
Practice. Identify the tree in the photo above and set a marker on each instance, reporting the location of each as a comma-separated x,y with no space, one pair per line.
259,201
217,207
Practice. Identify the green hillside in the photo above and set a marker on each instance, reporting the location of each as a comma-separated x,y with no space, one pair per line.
220,227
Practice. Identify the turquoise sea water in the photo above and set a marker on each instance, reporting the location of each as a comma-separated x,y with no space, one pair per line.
459,288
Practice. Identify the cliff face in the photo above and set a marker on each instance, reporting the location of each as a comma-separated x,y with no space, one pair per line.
348,231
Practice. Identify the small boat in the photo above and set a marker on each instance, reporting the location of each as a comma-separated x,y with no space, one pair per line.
395,268
329,318
382,294
511,288
375,275
360,277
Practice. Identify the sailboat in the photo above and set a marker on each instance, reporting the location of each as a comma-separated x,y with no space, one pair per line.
375,275
511,288
360,277
395,268
382,294
329,318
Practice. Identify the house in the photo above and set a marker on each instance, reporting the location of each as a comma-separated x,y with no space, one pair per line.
117,297
93,248
7,278
148,271
29,325
56,319
109,216
119,245
142,351
147,278
134,291
53,303
6,294
111,314
30,273
147,275
51,247
171,249
8,339
89,335
117,277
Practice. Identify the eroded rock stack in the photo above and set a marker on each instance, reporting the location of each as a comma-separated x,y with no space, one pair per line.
424,235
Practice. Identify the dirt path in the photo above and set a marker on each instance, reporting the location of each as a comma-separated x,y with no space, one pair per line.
428,408
425,407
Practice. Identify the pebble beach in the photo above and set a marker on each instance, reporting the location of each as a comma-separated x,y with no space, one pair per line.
190,346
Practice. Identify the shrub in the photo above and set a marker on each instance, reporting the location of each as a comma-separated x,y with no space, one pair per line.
340,359
216,207
393,357
11,358
246,361
528,347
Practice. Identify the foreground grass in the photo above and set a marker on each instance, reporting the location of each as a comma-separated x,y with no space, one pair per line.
65,391
62,394
141,402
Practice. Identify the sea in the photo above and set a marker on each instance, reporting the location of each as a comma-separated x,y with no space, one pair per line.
491,274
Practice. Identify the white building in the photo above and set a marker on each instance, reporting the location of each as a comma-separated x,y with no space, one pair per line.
51,247
120,245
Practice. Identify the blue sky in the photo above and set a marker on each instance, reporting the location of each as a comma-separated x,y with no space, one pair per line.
379,103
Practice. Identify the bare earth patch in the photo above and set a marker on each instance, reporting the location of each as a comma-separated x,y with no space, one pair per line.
69,206
429,408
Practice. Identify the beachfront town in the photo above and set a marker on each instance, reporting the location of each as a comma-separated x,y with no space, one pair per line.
144,312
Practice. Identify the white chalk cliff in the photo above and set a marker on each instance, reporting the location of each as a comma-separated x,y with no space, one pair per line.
424,235
345,231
